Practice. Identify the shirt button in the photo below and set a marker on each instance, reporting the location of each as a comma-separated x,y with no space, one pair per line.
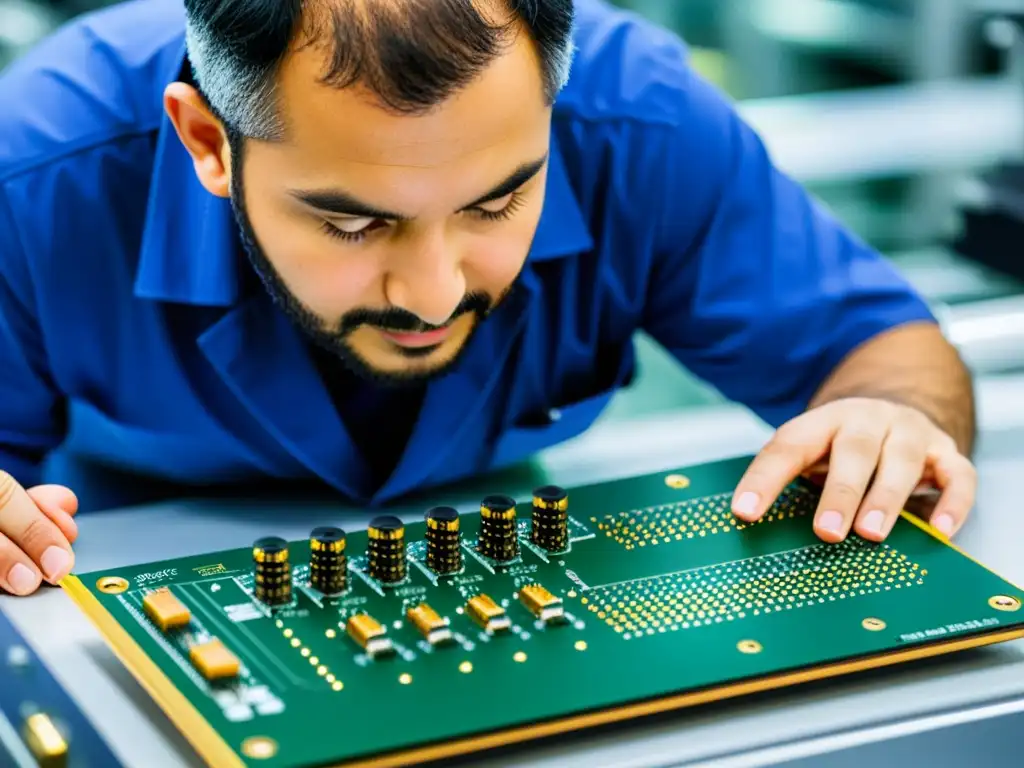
554,415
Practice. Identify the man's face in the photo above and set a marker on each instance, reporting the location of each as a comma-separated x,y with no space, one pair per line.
388,238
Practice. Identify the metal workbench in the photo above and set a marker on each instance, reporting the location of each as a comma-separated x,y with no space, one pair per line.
984,686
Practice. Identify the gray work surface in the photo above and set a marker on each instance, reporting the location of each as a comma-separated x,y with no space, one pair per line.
869,711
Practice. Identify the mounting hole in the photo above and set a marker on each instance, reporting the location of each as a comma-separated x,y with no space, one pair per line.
1004,603
677,481
112,585
259,747
749,646
873,625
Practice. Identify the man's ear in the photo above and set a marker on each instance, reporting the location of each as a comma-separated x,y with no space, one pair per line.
203,136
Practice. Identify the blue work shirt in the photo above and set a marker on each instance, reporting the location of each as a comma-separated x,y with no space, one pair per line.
132,333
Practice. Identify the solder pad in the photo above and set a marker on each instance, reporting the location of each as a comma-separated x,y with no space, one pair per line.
670,602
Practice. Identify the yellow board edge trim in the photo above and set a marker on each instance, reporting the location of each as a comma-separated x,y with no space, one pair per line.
936,533
209,744
192,725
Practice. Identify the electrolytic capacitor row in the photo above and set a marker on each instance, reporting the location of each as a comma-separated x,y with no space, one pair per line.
386,545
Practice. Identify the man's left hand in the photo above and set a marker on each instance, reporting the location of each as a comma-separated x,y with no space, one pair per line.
878,453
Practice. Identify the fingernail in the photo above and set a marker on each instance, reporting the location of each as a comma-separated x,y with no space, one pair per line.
21,579
944,524
873,520
746,504
55,562
831,521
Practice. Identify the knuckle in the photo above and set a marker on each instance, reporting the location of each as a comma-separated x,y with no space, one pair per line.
37,534
906,449
8,486
861,439
842,489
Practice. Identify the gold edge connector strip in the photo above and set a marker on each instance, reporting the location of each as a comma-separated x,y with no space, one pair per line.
670,703
206,741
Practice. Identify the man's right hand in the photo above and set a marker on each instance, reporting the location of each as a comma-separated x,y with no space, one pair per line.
36,533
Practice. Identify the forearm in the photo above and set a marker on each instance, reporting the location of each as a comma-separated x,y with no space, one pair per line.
913,365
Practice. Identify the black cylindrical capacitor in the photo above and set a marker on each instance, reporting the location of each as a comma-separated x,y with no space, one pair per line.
328,564
272,571
444,553
499,534
385,549
550,522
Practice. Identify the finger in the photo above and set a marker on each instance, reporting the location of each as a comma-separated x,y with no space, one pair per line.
855,455
899,473
56,496
794,447
18,574
59,504
32,531
958,479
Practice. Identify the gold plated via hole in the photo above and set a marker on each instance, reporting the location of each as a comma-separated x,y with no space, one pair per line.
677,481
112,585
259,747
749,646
1004,603
873,624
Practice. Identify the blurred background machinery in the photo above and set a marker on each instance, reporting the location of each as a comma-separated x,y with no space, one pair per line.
905,117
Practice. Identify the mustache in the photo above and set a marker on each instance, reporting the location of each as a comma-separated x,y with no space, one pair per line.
403,321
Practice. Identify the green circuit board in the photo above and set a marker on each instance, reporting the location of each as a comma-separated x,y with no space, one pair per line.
659,600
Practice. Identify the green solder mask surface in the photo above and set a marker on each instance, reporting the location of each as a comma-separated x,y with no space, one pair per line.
665,594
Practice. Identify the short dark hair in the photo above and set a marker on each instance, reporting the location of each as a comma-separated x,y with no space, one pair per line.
411,54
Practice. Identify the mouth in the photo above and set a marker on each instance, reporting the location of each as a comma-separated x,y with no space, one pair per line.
414,340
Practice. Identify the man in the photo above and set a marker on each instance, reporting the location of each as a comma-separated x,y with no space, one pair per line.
386,244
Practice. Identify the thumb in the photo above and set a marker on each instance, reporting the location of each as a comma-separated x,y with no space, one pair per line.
59,504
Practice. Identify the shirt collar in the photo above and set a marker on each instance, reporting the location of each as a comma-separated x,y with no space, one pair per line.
189,250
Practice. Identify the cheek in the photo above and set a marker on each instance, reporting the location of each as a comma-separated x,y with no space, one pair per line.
326,276
495,261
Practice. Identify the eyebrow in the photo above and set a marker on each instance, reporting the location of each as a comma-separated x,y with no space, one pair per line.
341,203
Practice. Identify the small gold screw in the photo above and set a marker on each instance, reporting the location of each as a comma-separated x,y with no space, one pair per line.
112,585
749,646
677,481
873,625
1005,603
259,747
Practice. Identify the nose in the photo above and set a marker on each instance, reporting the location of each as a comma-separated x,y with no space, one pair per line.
427,280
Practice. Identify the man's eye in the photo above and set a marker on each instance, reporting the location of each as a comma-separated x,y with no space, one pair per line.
497,206
352,226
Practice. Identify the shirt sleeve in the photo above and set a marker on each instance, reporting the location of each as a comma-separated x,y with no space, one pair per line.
754,286
31,412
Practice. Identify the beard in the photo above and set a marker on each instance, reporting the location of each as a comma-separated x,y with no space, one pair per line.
333,337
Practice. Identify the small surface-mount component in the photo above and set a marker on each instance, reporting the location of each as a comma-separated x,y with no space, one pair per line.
369,634
165,610
430,624
46,743
272,571
499,534
328,564
542,603
444,551
487,613
213,660
550,522
385,549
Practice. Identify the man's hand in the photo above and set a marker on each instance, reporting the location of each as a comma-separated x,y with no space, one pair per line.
36,533
878,454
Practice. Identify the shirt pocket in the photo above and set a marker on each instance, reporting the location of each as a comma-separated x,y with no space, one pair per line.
562,421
